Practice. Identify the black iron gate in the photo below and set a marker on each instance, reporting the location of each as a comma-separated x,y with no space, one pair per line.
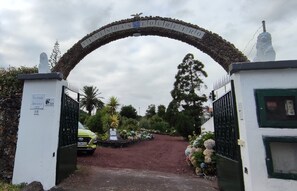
67,148
229,165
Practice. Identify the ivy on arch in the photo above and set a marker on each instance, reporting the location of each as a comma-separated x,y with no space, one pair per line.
220,50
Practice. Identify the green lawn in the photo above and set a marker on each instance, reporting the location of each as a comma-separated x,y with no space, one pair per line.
9,187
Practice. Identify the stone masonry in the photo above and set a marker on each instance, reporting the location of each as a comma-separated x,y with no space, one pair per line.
9,121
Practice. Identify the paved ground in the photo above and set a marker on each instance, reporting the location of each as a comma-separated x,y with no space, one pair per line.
163,153
157,164
93,178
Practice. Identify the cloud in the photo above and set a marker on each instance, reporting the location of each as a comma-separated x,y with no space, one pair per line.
140,71
276,11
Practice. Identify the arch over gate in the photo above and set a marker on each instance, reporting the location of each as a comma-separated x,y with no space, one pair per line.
210,43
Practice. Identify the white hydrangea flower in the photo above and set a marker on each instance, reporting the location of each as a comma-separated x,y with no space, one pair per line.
209,143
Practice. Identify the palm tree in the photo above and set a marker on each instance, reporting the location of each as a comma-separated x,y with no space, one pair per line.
91,99
113,105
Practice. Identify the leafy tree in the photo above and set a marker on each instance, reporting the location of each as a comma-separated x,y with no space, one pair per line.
161,111
185,124
129,112
157,123
171,113
55,55
151,111
144,123
129,124
91,99
94,123
83,116
188,83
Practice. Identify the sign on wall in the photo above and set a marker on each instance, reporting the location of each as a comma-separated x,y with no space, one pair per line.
37,102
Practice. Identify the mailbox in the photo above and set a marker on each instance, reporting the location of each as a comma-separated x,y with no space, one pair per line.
276,108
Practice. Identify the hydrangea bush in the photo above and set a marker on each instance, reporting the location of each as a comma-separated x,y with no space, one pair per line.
200,154
135,135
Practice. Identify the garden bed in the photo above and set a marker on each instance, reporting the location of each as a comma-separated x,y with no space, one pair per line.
117,143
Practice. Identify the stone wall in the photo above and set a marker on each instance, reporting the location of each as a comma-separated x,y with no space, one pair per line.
9,121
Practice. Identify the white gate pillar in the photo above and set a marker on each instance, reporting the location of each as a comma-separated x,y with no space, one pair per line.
38,134
266,101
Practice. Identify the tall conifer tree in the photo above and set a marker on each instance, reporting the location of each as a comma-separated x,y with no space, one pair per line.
55,55
187,89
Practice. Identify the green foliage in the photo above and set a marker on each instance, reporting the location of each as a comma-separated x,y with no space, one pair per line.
172,131
204,160
144,123
172,113
157,123
9,187
202,138
123,133
55,55
199,156
198,140
103,136
162,126
114,120
151,111
111,116
161,111
145,135
188,83
94,123
105,117
128,112
185,125
113,104
135,135
129,124
83,116
9,83
90,99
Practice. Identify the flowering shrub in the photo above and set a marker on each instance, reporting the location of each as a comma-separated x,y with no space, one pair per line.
200,154
146,135
135,135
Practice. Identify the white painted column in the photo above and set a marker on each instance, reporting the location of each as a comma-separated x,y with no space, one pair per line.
247,78
36,151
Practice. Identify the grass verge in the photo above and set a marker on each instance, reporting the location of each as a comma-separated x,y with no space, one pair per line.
9,187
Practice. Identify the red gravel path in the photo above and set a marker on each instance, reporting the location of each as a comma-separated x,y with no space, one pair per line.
164,154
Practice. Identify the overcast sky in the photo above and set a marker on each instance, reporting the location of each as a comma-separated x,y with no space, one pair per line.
139,70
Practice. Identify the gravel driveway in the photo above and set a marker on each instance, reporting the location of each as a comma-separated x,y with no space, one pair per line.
158,164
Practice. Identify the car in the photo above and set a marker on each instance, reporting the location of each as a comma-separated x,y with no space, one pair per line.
86,140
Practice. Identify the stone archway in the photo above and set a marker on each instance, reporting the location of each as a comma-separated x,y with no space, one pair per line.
210,43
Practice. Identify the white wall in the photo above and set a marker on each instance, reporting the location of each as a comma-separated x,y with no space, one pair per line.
208,125
253,152
38,134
